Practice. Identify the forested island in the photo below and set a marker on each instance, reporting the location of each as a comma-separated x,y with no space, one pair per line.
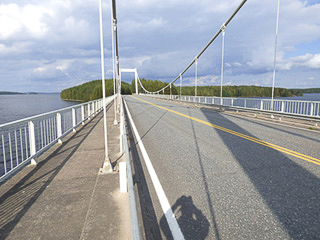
227,91
308,90
9,93
93,90
15,93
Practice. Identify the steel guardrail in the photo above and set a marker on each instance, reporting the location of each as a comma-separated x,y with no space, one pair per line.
135,233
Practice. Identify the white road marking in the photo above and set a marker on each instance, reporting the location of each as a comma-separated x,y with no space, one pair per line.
165,205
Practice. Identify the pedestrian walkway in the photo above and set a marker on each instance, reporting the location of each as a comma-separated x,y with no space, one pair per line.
64,196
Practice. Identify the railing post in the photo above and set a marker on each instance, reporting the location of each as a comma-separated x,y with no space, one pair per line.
74,119
121,127
82,114
311,109
245,103
59,127
93,110
261,105
89,111
282,106
32,142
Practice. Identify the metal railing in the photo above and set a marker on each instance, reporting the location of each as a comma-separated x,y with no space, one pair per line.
292,107
22,141
124,148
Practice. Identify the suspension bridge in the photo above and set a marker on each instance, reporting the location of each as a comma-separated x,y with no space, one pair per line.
156,166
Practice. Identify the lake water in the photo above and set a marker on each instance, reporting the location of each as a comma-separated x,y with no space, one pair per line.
306,97
15,107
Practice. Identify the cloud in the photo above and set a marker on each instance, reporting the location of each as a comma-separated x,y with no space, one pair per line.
58,42
309,60
28,19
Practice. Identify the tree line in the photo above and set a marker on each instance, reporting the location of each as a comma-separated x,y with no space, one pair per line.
240,91
308,90
152,86
227,91
93,90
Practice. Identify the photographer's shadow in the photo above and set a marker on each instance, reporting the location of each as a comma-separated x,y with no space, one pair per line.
193,224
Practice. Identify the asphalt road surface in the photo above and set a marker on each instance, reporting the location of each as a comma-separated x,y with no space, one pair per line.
225,177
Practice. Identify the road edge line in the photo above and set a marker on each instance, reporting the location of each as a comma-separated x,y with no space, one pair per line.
165,205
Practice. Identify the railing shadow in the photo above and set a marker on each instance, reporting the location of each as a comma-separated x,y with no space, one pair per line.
290,191
149,219
193,224
205,181
15,203
278,129
147,107
154,124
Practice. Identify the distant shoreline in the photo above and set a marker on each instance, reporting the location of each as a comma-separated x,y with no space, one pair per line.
71,100
10,93
25,93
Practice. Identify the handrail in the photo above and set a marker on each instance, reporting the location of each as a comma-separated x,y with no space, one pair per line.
297,108
47,113
22,141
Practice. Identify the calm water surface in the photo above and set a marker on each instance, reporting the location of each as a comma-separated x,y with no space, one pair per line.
306,97
15,107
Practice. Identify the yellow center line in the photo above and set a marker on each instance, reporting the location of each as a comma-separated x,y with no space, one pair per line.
252,139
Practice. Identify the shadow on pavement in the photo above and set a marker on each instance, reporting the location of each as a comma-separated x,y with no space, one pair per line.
205,182
290,191
17,200
275,127
193,224
148,217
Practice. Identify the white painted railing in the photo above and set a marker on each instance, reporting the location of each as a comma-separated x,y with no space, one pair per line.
23,140
124,148
294,107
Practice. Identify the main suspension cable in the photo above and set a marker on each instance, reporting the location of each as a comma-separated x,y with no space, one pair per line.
203,50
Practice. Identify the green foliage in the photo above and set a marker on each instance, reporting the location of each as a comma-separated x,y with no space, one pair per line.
152,86
307,90
92,90
238,91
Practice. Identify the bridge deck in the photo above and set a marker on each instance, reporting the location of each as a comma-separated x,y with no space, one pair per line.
225,177
64,197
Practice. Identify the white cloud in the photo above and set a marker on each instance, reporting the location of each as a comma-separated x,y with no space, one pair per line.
58,40
28,19
63,65
207,80
311,61
9,20
40,69
314,61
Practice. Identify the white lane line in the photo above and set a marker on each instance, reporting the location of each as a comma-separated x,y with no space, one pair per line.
166,208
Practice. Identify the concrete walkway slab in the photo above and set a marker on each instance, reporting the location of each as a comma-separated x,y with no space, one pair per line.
64,197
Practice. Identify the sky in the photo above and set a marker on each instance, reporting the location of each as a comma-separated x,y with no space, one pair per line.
47,46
